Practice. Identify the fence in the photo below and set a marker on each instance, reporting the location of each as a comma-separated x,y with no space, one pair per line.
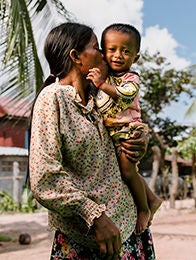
13,175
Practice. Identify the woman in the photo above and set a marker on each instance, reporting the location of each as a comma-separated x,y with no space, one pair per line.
74,172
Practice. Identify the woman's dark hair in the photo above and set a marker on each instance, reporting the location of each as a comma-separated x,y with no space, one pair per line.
59,42
124,28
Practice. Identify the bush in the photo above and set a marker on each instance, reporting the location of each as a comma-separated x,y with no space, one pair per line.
27,204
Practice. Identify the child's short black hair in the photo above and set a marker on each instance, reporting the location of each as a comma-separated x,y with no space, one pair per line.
125,28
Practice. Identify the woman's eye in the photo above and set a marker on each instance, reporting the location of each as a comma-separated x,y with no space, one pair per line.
99,50
126,51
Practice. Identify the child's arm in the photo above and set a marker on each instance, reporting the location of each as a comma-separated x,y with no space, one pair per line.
128,89
96,76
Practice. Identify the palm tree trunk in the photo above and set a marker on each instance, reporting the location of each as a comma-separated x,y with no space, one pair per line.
194,176
155,166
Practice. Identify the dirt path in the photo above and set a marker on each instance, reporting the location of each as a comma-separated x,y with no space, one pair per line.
174,231
174,234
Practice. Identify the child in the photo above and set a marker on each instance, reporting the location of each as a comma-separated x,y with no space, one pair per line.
117,100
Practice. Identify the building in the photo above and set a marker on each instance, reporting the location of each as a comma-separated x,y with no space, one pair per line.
184,166
14,123
14,120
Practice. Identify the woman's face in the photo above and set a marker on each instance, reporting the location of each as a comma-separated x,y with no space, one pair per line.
91,56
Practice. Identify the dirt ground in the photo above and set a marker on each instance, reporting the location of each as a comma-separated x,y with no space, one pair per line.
174,234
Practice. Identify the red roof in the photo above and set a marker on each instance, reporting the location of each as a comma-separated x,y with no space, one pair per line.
15,107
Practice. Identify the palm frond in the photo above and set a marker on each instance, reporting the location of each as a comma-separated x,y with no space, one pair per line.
191,110
20,59
24,26
39,5
192,71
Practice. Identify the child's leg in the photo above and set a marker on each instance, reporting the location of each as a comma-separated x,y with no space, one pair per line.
154,201
137,188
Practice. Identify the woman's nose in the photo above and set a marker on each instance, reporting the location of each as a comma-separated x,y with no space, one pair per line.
117,54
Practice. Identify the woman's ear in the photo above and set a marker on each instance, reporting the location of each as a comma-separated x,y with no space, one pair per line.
136,58
74,55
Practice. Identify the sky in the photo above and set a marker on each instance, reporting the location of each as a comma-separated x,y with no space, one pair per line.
166,26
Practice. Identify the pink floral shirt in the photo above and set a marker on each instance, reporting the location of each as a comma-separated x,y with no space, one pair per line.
73,167
126,109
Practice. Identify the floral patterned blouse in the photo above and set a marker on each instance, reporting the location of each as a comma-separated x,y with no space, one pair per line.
74,172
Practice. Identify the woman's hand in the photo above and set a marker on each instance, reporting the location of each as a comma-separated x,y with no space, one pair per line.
135,148
108,237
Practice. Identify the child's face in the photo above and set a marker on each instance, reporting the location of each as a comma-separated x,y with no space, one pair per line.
120,50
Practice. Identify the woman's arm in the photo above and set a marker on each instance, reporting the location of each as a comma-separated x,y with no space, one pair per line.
50,180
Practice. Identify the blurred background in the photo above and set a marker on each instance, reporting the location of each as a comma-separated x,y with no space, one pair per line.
167,68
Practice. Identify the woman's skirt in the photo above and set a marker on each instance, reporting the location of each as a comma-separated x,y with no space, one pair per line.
136,247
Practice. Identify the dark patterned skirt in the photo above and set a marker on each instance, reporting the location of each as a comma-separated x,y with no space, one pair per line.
136,247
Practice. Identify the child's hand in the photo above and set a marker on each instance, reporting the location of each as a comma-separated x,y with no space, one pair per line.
95,75
103,69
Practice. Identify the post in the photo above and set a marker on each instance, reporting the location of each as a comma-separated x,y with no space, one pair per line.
173,186
16,183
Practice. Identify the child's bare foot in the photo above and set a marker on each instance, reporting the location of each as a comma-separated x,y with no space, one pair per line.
154,206
142,221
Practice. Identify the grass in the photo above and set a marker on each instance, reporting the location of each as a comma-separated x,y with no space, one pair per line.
4,238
